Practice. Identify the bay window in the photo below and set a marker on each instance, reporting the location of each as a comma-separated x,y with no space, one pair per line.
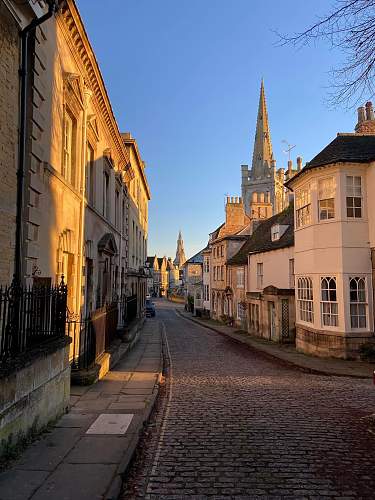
305,299
327,191
358,304
329,306
354,196
303,207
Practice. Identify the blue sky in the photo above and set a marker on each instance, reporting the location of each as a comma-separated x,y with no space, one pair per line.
184,76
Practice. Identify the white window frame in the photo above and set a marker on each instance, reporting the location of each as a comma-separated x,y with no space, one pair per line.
328,301
305,299
68,145
303,207
260,271
358,302
326,199
240,277
275,232
354,197
292,280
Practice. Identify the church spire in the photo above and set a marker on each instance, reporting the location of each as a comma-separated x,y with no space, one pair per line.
262,155
180,253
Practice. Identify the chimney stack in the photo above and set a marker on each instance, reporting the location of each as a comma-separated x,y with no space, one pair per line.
290,168
366,120
299,163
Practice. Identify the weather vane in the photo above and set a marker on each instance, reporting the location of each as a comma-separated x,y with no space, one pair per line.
289,148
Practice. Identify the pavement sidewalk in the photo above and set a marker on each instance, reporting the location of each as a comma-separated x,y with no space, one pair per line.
288,353
87,451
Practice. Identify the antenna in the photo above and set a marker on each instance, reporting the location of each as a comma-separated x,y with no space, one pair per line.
289,148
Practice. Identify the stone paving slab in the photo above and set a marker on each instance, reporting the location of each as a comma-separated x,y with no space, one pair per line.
69,464
98,449
76,482
20,484
47,453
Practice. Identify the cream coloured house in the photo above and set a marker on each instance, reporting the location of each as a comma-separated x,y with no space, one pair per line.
334,244
261,276
137,214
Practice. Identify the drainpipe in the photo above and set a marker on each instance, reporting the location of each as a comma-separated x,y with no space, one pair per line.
24,72
87,97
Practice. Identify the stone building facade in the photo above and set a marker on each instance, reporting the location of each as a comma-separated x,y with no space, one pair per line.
261,276
334,244
224,243
14,16
136,240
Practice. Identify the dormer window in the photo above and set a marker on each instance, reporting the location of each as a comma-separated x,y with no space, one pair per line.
277,230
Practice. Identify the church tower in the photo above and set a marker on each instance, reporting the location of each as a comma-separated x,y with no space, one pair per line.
262,186
180,253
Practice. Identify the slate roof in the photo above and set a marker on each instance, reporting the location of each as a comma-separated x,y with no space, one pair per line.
260,240
215,233
347,148
197,258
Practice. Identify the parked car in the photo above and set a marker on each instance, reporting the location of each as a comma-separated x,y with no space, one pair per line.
150,309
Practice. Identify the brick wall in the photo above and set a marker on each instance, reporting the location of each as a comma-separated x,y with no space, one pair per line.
9,86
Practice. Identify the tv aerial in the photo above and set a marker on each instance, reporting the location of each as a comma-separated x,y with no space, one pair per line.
289,148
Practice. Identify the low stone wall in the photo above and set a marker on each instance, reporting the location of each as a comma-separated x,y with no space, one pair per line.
34,392
328,344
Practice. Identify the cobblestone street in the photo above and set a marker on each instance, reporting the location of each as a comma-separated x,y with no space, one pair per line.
233,423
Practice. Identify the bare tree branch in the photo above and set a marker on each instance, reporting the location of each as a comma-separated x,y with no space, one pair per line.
350,27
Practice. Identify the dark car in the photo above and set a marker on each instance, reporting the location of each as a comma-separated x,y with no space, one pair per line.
150,309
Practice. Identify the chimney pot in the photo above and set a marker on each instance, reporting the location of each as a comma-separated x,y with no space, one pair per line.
369,111
290,166
361,114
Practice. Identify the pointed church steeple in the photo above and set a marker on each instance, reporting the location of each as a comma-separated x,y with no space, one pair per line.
262,155
180,252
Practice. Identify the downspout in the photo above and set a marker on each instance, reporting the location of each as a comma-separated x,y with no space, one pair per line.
18,254
81,241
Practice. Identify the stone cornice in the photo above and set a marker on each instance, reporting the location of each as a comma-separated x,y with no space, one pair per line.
71,24
131,142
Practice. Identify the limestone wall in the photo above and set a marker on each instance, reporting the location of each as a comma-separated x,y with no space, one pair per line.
9,61
34,395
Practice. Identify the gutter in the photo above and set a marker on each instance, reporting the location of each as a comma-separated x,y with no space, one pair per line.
24,72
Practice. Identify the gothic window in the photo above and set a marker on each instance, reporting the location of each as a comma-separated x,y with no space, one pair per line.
329,305
305,299
358,305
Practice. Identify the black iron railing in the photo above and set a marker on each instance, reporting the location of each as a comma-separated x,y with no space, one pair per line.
84,345
30,316
128,308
